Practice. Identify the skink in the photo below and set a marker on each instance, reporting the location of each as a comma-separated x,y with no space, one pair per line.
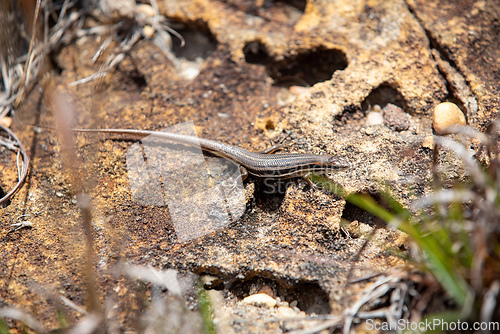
276,166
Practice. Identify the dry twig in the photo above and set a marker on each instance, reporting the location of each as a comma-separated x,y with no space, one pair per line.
14,144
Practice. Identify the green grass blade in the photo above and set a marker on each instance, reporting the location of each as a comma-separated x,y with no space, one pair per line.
206,310
440,260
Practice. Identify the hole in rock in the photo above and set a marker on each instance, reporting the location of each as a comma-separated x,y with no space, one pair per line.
199,41
383,95
303,69
299,5
310,297
353,213
199,45
269,193
256,53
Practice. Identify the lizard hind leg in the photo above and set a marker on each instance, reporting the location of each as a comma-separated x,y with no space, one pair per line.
272,149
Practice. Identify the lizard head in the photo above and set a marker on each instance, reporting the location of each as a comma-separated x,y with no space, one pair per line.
333,162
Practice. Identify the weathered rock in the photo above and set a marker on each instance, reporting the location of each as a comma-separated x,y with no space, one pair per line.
352,55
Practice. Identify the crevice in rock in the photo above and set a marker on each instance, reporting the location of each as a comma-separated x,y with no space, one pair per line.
458,89
302,69
452,96
444,54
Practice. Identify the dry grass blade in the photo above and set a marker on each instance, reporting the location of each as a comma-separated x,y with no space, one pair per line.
166,278
445,196
19,74
375,291
398,286
134,29
87,325
18,147
469,132
472,165
112,62
336,322
490,302
24,317
71,304
64,113
32,43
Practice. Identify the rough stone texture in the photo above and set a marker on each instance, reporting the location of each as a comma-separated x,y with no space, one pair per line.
395,118
467,33
294,241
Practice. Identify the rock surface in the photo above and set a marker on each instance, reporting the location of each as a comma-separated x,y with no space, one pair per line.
245,55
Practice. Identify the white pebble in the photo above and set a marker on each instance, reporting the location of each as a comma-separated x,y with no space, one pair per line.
428,142
298,90
446,114
374,118
260,299
286,312
146,10
369,131
189,73
6,121
148,31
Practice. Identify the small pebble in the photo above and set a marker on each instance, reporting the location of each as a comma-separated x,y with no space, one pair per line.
286,312
6,121
147,10
260,299
395,118
282,303
298,90
446,114
369,131
376,108
374,118
190,72
148,31
222,115
428,142
268,291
